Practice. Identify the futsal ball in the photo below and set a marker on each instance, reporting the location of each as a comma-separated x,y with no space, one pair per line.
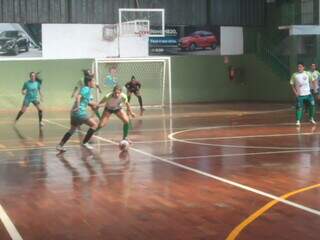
124,145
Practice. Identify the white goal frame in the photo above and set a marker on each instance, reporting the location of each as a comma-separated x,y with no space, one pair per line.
166,69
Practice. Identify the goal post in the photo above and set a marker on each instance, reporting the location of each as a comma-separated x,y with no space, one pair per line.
154,73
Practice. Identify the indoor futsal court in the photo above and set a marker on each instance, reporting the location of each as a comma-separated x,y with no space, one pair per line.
160,119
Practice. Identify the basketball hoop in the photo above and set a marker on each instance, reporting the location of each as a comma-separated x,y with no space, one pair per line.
142,33
141,22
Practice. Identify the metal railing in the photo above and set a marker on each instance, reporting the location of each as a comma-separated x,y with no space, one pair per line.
278,64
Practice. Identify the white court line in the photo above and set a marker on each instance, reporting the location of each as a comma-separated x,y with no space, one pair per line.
241,126
236,146
9,226
184,128
245,154
235,184
53,150
13,232
256,136
268,111
192,141
185,140
43,148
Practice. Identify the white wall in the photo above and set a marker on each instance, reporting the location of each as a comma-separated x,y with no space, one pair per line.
85,41
231,40
76,41
134,46
304,30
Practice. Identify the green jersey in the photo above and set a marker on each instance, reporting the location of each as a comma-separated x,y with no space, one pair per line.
86,98
32,88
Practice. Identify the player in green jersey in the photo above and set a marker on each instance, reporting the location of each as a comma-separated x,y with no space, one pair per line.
31,90
79,115
300,83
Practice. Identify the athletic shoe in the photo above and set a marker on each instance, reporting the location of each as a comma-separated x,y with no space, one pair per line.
298,123
313,121
129,141
87,146
141,111
60,148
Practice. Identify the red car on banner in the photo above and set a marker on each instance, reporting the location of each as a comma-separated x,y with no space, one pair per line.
198,39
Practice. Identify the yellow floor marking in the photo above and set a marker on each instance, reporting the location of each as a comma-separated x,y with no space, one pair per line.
234,234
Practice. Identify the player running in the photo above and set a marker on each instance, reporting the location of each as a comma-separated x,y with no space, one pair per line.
79,115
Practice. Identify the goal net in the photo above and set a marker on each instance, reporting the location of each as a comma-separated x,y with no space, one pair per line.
153,73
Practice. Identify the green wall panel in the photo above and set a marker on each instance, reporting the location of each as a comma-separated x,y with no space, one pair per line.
59,78
205,79
194,79
263,83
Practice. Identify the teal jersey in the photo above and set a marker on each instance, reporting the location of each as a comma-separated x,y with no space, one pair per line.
32,88
40,82
86,98
110,80
81,83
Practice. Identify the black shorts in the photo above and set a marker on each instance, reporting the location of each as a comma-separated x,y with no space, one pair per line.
135,92
112,110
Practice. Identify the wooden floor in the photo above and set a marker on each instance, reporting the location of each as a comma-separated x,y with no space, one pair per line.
219,171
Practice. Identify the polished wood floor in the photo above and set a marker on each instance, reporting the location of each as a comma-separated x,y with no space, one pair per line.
197,174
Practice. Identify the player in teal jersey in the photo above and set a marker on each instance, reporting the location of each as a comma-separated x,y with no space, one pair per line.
300,83
111,79
80,83
79,115
32,89
86,74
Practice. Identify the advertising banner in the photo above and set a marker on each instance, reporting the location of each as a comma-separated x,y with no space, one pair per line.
20,40
187,40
